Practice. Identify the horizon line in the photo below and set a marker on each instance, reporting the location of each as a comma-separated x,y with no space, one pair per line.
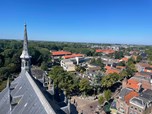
78,42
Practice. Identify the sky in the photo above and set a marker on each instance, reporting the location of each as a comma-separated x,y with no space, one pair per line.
98,21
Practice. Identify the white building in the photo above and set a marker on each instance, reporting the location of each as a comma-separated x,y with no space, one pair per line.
67,65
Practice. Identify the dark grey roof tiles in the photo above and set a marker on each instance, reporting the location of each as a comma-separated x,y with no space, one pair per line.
147,94
138,101
2,94
26,97
124,92
4,101
143,100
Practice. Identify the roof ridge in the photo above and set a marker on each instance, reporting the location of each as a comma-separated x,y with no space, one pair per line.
39,94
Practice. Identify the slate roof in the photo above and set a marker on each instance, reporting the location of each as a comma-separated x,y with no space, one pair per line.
4,102
143,100
138,102
124,92
25,97
147,94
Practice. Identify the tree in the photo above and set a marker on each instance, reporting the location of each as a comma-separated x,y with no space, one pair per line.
100,100
8,53
12,67
107,94
118,55
84,85
123,74
97,62
148,51
4,73
56,72
2,60
130,67
44,66
64,80
45,54
109,80
139,58
80,69
122,63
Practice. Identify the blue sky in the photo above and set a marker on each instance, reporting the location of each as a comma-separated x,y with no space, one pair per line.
101,21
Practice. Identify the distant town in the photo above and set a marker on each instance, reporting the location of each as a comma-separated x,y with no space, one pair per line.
88,78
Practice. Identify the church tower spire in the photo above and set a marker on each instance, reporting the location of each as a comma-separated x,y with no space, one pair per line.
25,57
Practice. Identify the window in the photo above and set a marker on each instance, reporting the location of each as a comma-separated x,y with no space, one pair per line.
135,108
26,63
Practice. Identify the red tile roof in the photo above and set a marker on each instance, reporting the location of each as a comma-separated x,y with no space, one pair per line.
129,96
107,51
124,59
134,84
107,67
72,56
112,70
60,53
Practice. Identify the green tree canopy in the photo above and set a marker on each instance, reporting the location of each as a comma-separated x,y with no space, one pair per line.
97,62
44,66
100,100
84,85
139,58
64,80
130,67
118,55
107,94
80,69
2,60
109,80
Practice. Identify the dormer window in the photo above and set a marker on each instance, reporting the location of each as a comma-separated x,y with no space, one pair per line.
15,100
13,86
